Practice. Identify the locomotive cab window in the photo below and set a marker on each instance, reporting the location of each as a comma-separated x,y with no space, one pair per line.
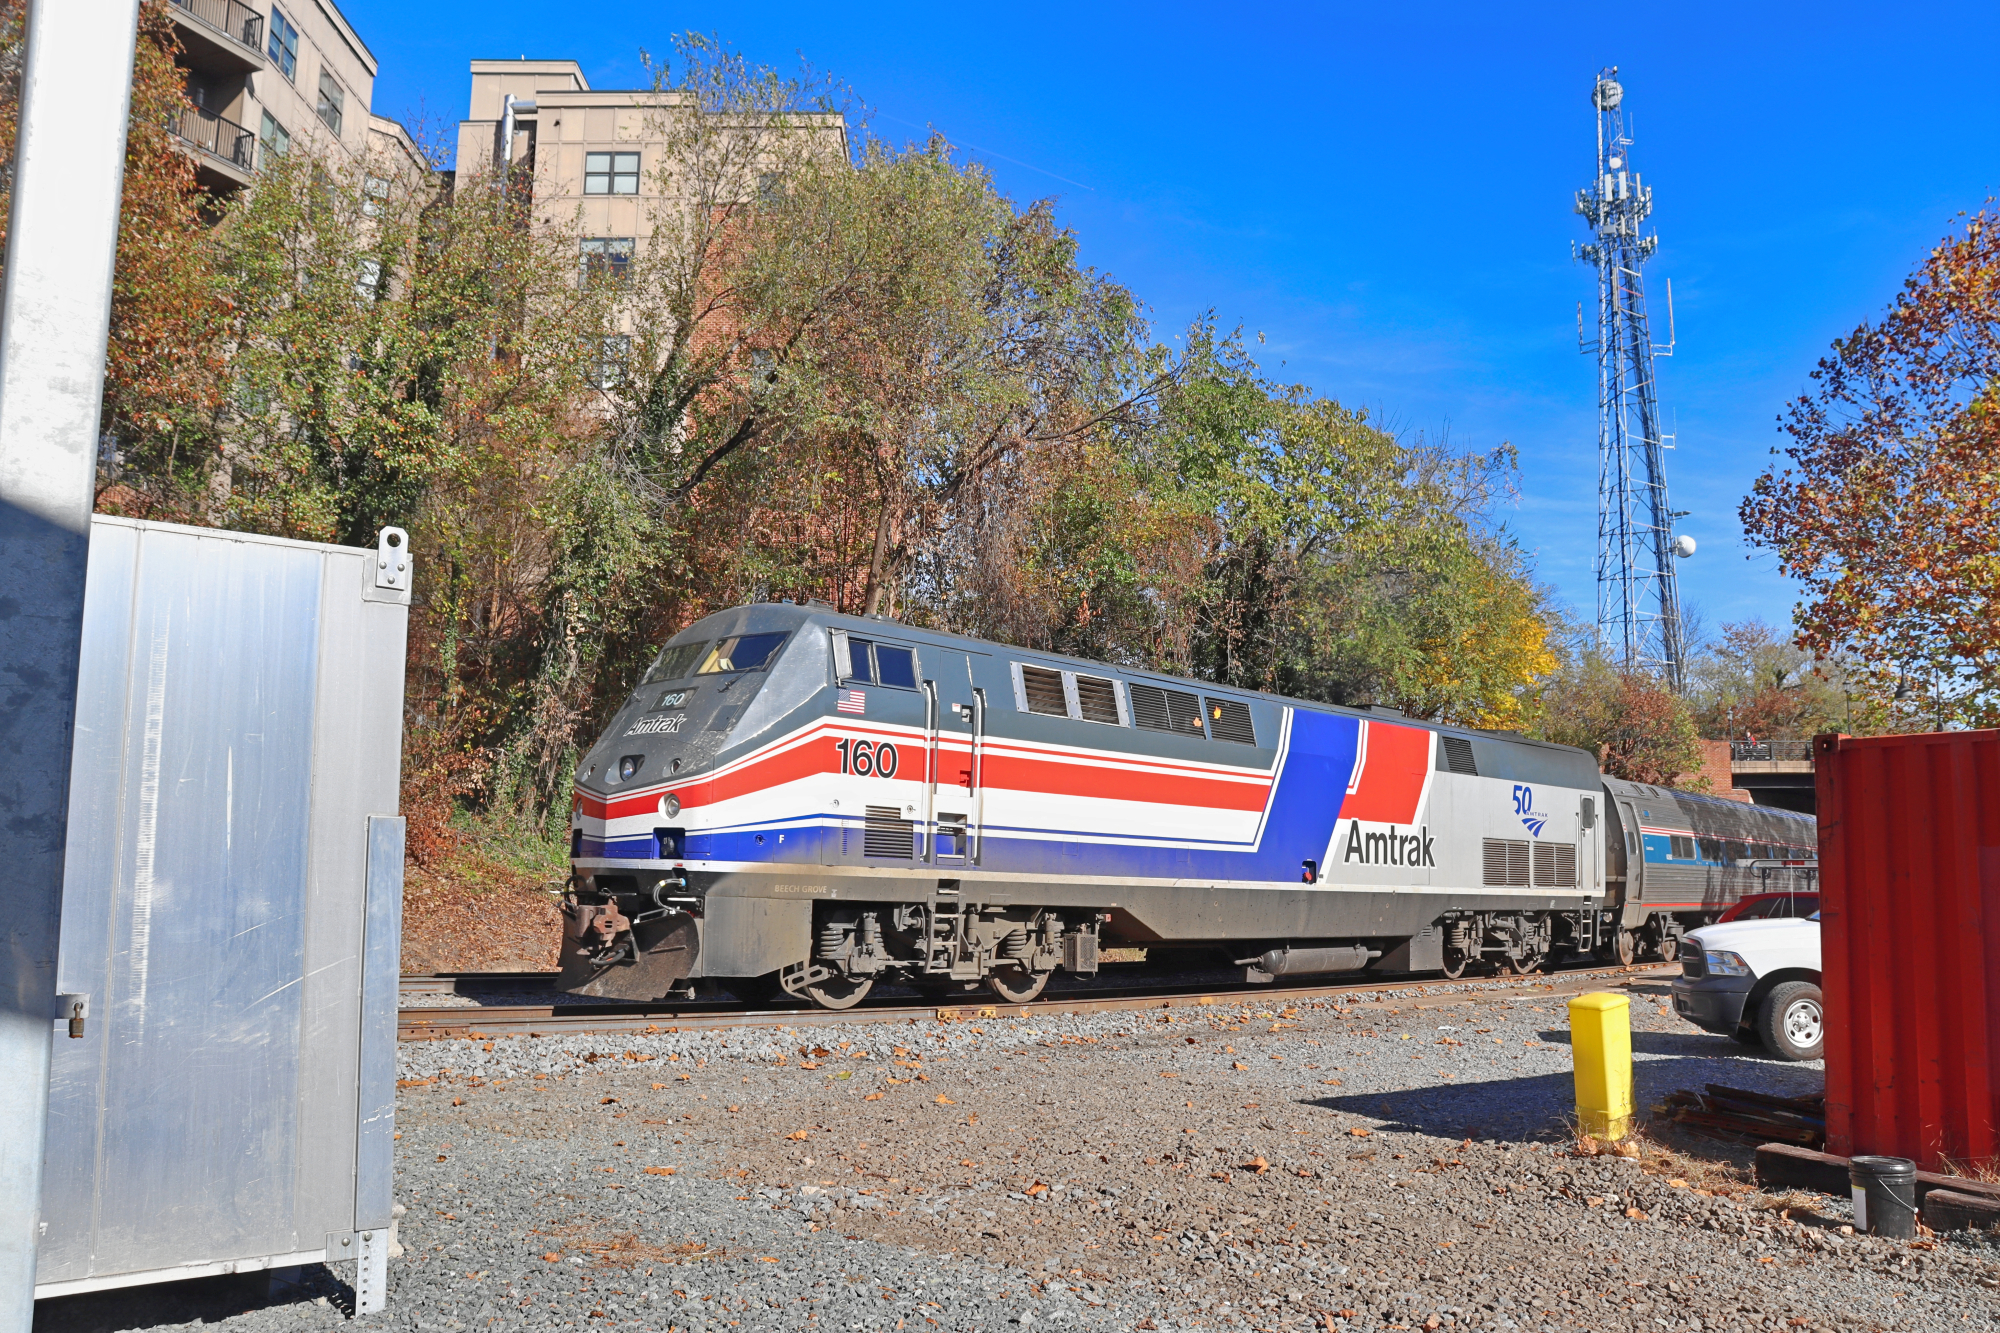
872,663
675,661
1070,694
741,652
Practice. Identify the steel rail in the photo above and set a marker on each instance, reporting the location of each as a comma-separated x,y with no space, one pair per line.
534,1020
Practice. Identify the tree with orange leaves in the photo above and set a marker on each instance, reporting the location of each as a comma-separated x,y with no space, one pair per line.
1889,511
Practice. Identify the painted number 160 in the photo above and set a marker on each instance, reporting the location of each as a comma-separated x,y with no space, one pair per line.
867,758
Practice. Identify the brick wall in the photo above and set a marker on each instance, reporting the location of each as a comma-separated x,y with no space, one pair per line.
1715,767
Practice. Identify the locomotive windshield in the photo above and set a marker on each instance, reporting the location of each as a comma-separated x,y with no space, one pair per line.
675,661
744,652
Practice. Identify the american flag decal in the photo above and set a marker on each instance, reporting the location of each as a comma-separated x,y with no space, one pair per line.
850,701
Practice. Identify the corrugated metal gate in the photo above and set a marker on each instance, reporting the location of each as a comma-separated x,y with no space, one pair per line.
1910,900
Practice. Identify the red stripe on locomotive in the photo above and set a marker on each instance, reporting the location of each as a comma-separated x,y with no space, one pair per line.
1394,769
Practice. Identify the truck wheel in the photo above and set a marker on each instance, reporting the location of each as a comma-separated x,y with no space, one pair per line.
1792,1021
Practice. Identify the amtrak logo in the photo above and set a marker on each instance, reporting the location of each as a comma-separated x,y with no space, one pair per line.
1524,806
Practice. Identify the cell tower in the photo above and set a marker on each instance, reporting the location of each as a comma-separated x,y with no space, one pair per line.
1638,599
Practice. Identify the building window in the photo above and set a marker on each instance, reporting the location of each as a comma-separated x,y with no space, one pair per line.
374,195
274,139
613,354
332,101
606,259
611,173
284,45
368,279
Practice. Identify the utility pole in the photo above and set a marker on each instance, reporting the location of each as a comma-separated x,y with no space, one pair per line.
55,315
1638,597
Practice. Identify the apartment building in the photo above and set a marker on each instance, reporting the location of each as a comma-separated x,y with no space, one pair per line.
262,79
593,154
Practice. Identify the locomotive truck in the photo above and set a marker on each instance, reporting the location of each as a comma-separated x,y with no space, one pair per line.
817,802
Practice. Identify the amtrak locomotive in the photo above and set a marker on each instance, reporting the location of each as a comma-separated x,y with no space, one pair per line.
818,802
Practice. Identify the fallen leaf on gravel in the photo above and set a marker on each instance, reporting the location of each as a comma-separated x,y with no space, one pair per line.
968,1162
658,1086
1168,1073
552,1258
1360,1133
1767,1259
762,1259
943,1100
872,1097
1592,1202
460,1101
661,1170
733,1109
1678,1184
797,1134
440,1157
1330,1082
1257,1164
1239,1065
1218,1175
607,1101
1037,1188
807,1064
413,1082
1635,1212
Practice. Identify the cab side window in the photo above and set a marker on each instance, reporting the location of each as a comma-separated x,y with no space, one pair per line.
868,662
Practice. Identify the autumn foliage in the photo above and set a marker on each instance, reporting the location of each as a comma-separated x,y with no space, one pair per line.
1887,509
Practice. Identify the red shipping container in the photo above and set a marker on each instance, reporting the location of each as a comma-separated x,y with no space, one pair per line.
1909,847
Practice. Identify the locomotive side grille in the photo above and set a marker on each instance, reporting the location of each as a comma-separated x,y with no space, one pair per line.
1555,865
1456,754
1166,710
888,833
1097,699
1506,862
1229,720
1044,691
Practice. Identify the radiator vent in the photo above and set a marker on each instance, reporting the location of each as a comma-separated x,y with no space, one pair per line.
1166,710
1044,691
888,833
1555,865
1506,862
1229,720
1097,699
1455,756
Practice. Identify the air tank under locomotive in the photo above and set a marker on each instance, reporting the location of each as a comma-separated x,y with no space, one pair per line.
817,802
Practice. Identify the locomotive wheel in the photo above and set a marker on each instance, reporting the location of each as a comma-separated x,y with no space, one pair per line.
1455,962
1626,946
1016,985
1670,948
1526,963
841,992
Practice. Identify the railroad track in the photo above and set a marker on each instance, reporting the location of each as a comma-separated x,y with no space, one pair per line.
513,1020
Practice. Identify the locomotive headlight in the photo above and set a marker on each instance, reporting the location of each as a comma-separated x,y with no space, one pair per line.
670,805
1722,963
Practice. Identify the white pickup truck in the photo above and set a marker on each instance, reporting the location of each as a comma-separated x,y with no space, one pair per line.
1756,981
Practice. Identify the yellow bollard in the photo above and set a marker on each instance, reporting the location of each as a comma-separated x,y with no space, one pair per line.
1600,1034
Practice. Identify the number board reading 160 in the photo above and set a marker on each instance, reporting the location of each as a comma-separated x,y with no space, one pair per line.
867,758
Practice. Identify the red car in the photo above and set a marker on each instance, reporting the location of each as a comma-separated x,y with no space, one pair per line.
1760,906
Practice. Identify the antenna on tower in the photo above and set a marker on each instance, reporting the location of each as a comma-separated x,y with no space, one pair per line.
1638,595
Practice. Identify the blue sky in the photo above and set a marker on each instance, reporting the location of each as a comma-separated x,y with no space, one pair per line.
1385,191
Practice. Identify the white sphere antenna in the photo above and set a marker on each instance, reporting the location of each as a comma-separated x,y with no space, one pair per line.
1683,546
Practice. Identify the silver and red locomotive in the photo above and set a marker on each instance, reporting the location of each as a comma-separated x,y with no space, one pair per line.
821,802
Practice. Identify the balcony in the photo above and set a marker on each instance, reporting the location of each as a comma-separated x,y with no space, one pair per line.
227,153
220,36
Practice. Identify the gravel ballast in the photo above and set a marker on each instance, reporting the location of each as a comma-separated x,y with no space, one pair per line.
1364,1162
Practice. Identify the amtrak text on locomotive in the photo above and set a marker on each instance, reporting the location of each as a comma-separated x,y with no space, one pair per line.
1388,849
